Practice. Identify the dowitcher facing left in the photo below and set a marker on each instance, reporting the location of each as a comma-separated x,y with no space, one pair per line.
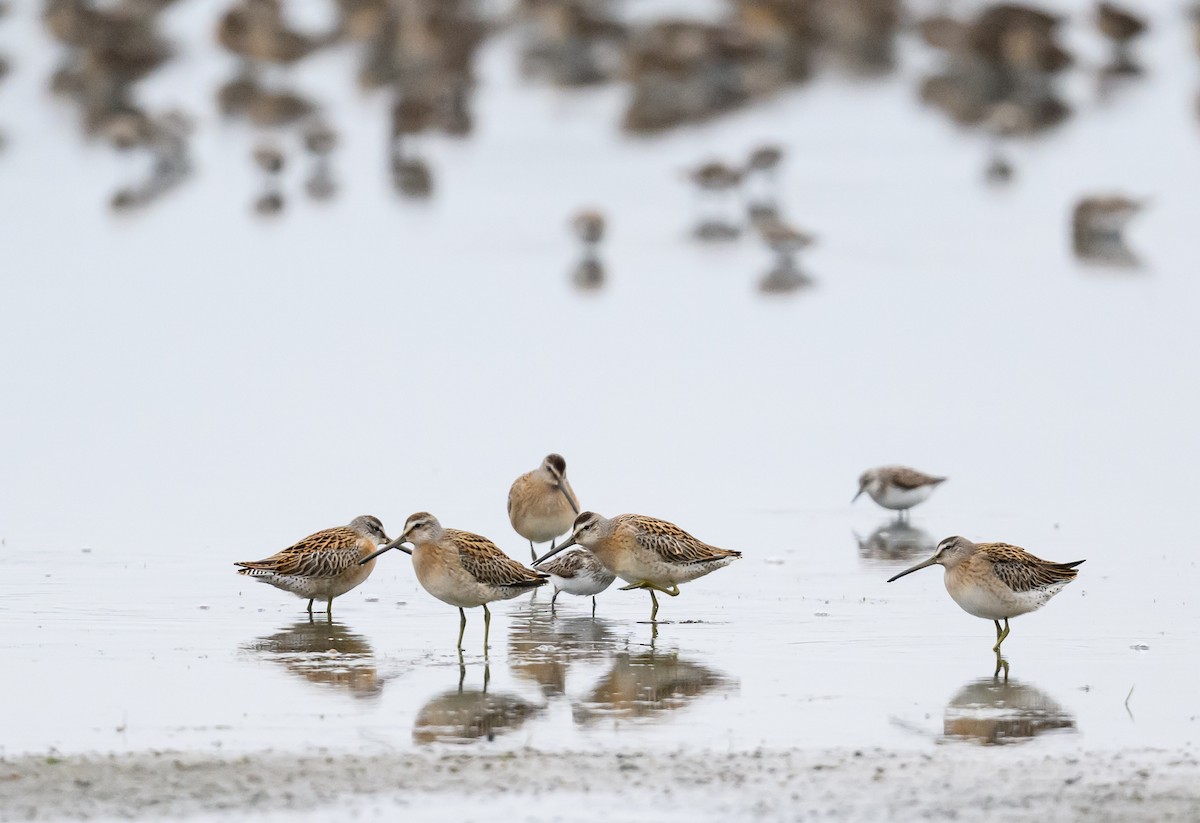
461,568
645,552
997,581
897,487
324,565
541,503
577,572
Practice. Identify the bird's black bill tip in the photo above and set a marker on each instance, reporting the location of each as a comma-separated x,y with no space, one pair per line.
570,542
922,565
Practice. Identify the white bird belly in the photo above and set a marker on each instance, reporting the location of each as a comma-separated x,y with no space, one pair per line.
583,585
317,588
993,604
893,497
648,567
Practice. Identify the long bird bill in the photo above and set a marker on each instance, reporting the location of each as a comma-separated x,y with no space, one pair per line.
923,564
562,487
570,542
395,544
861,489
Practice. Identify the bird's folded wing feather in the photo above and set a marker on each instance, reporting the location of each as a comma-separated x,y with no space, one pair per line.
327,553
906,478
674,544
483,560
1022,572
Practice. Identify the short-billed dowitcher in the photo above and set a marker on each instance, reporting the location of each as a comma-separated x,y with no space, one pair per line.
461,568
577,572
324,565
645,552
897,487
996,581
541,503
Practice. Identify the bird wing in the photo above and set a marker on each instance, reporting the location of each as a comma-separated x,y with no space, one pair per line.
327,553
906,478
514,491
483,560
566,564
672,543
1022,572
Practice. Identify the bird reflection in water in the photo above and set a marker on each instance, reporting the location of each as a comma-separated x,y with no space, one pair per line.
325,653
465,715
895,540
645,686
542,647
993,711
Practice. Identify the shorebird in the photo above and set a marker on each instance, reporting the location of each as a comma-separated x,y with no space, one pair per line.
897,487
783,239
996,581
1118,25
760,176
588,225
719,182
541,503
645,552
270,159
577,572
320,140
461,568
1103,219
324,565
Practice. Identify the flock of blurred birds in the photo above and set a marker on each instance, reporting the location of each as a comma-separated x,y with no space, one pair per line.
999,74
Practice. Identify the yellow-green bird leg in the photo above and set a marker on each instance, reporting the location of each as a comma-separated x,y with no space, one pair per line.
1000,638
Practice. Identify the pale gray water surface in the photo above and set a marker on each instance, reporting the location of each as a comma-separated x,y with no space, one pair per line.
192,387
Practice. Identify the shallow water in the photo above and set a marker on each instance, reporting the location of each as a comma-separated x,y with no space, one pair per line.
191,387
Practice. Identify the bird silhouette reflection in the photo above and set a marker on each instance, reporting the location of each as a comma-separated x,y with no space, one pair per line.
325,653
994,711
466,715
648,686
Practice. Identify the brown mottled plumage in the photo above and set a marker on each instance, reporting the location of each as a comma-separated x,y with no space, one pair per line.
997,581
460,568
645,552
323,565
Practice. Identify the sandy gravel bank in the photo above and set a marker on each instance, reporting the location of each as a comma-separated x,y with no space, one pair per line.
950,783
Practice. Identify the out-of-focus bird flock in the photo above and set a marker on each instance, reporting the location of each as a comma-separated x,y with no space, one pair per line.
998,72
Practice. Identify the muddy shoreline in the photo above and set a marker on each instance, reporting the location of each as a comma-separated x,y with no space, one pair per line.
946,783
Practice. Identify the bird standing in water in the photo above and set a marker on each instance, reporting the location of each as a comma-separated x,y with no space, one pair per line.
645,552
997,581
324,565
461,568
897,487
541,503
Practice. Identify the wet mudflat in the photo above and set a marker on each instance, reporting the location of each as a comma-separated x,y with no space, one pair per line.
192,388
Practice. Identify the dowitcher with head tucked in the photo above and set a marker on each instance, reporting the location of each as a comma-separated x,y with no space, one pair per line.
324,565
645,552
897,487
541,503
577,572
461,568
997,581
